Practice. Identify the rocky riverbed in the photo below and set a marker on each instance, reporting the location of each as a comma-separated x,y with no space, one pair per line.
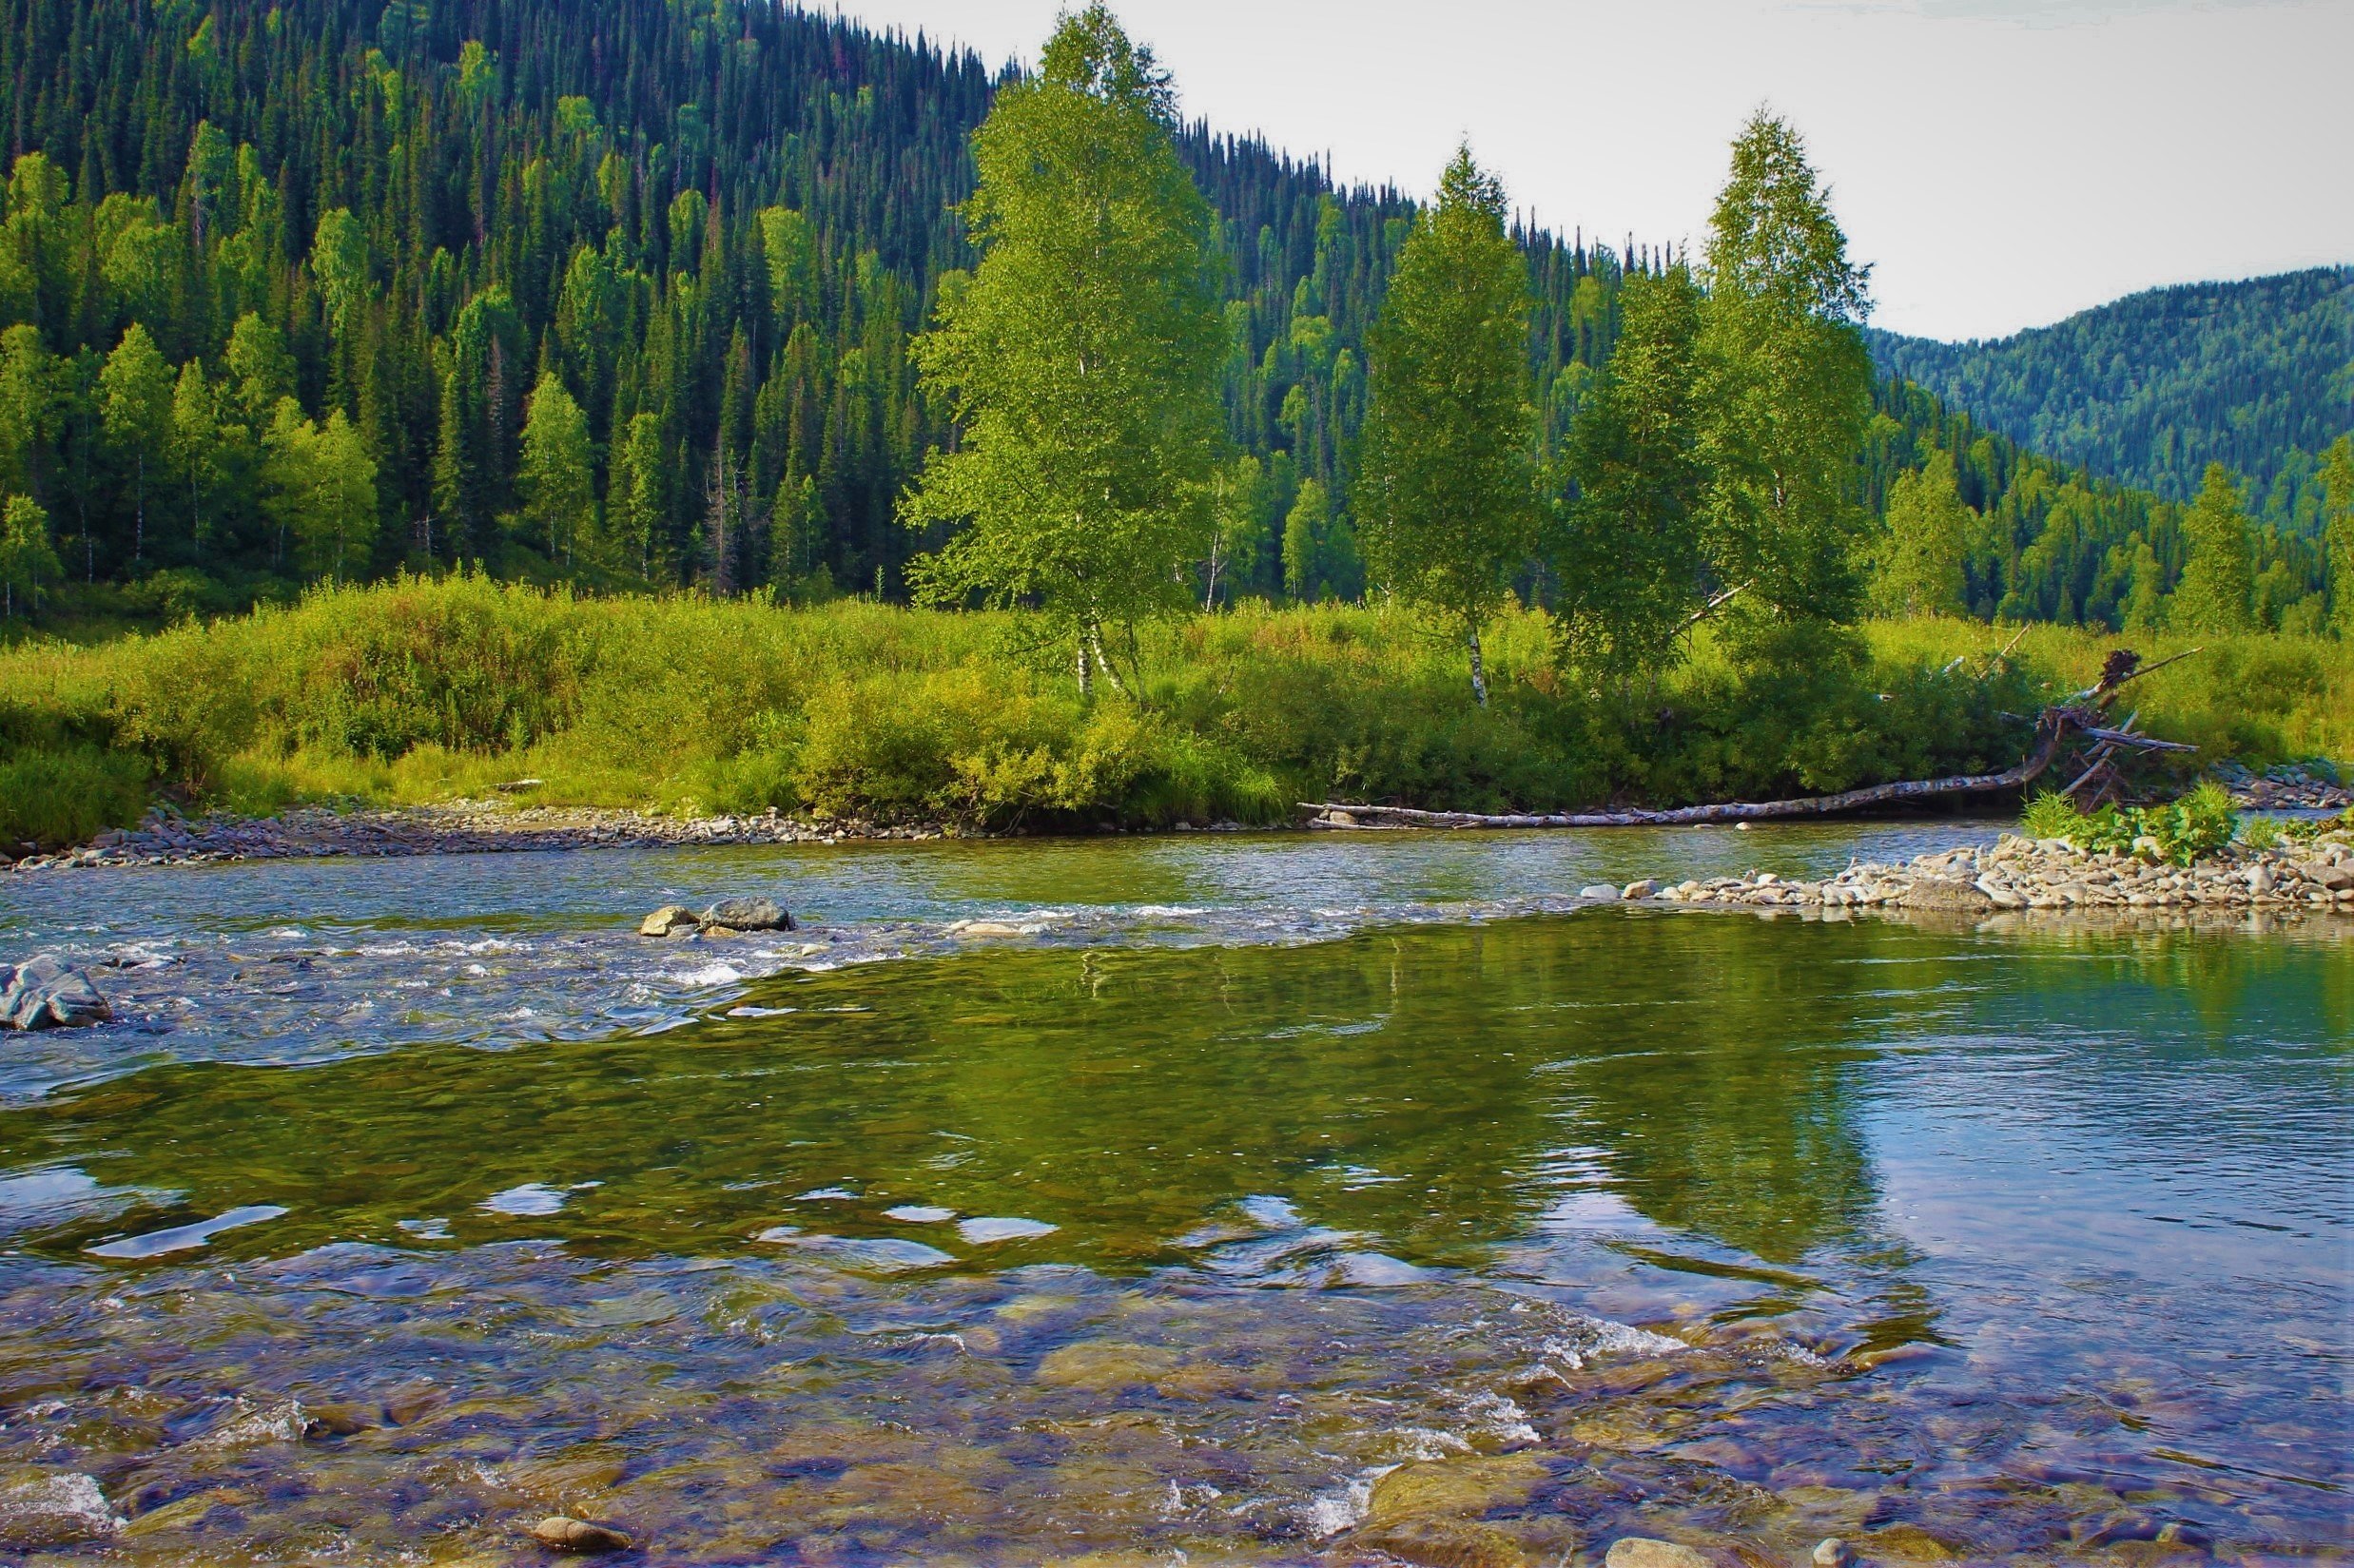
457,827
2015,873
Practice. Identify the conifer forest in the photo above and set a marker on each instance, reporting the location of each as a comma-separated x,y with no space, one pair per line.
627,295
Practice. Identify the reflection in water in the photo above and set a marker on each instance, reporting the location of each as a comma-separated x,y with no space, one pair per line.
1464,1242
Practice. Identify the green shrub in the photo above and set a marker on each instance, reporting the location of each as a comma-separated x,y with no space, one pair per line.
49,798
2197,823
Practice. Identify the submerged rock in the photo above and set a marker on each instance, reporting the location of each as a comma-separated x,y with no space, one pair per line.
1643,1552
573,1535
48,993
749,914
1444,1543
672,920
51,1508
1833,1553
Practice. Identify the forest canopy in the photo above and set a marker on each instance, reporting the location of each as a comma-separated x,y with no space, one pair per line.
627,295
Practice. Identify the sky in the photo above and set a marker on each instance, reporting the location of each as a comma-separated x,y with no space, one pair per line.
2000,163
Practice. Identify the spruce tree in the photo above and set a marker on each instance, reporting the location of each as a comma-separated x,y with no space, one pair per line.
2218,581
1444,471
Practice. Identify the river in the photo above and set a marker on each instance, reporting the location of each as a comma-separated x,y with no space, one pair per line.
1257,1198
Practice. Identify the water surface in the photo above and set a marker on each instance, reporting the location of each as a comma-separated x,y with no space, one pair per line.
1271,1199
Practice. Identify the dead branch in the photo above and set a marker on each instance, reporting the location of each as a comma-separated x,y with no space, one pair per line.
2054,729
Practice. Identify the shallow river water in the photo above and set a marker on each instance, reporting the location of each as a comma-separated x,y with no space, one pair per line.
1278,1199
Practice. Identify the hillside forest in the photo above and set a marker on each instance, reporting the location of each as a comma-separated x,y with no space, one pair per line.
2257,374
634,295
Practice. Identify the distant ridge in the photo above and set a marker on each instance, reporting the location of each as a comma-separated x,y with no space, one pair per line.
2149,389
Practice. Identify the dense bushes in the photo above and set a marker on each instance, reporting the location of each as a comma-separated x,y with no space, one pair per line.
424,689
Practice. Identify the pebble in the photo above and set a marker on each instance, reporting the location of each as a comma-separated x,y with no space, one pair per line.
2051,876
459,827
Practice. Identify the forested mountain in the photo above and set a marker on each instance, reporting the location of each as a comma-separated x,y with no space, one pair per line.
2150,389
624,292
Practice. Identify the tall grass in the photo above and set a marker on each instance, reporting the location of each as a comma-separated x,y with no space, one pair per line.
424,689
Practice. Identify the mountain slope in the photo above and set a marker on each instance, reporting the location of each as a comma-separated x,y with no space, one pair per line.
2150,389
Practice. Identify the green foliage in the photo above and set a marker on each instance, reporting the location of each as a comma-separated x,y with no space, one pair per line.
1080,360
1788,385
2339,537
2218,581
1624,541
62,795
26,560
2260,833
2150,389
558,480
1928,531
2195,825
1444,487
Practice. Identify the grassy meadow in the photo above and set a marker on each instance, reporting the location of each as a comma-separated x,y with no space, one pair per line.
421,690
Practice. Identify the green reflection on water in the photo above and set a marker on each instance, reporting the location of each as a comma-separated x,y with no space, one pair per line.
1437,1093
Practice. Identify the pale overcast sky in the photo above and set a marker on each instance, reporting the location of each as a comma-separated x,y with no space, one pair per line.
2000,162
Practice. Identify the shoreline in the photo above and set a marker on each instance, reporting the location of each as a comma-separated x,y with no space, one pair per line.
2012,874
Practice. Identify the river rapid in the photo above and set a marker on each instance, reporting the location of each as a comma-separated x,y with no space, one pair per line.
1203,1198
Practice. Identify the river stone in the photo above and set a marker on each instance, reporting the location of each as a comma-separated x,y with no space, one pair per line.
51,1508
573,1535
669,920
754,914
1833,1553
1101,1366
1643,1552
2336,878
1644,889
48,993
1456,1487
1944,892
1599,891
1444,1543
1910,1543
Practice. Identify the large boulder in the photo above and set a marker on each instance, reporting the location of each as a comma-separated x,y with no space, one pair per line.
672,920
753,914
48,993
1945,893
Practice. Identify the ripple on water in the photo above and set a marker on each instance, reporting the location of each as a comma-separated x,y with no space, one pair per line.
1193,1221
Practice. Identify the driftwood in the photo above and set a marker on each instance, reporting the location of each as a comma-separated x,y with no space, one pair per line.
2085,717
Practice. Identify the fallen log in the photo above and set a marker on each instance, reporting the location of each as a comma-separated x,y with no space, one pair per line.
2055,725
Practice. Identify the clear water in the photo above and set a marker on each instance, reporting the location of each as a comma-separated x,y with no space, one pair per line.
1271,1199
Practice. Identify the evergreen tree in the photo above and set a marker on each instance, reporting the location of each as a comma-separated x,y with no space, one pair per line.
1626,544
1787,384
1919,565
2218,581
1445,477
1080,358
